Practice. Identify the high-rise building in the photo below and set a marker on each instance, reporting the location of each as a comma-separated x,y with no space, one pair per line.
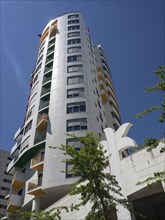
71,90
5,181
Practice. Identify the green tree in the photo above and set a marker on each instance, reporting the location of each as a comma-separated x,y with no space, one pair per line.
96,186
160,86
152,143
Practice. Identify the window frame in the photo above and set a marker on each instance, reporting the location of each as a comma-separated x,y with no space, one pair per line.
74,41
76,92
80,79
77,124
76,107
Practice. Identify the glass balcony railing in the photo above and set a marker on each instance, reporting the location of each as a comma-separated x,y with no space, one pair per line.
45,91
46,79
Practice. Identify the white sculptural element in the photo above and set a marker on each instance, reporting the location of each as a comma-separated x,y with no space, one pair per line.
116,143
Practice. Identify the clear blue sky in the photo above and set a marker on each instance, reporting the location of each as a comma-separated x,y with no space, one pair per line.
131,32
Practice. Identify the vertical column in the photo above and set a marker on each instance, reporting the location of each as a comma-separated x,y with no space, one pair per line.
36,204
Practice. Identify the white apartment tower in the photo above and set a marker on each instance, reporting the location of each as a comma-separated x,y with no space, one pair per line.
71,90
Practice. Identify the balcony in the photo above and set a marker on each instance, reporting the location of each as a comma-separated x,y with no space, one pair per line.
37,162
45,91
15,149
42,122
49,66
15,202
18,180
50,50
34,187
49,57
51,42
39,137
10,166
44,105
46,79
104,96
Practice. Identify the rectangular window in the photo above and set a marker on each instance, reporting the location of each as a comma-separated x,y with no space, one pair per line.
73,21
75,79
74,41
74,27
5,188
74,34
74,142
75,68
76,107
77,124
3,206
74,49
73,16
75,58
69,170
9,158
6,181
76,92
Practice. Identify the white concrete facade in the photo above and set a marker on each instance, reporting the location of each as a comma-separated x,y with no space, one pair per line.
71,90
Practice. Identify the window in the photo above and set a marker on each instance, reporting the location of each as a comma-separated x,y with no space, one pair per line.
6,181
74,34
3,206
114,115
74,27
69,167
101,117
39,67
115,126
75,58
75,68
32,99
99,104
30,112
2,197
9,158
74,49
28,127
75,79
5,188
76,107
73,16
35,79
73,141
76,92
74,41
39,59
77,124
73,21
